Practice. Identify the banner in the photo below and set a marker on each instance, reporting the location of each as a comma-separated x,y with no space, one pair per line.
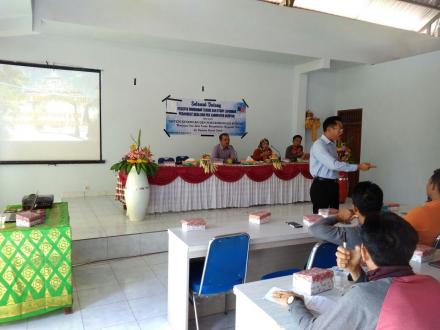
205,117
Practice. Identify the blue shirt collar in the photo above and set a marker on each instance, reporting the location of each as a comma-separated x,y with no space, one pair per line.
326,139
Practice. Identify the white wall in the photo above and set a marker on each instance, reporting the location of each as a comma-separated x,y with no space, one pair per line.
401,119
320,99
267,88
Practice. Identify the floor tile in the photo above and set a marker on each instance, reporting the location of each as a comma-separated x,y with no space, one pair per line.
156,258
125,326
156,323
215,322
107,315
149,307
94,276
56,321
19,325
143,289
104,295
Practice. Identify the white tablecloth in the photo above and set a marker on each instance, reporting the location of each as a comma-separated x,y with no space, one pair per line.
214,193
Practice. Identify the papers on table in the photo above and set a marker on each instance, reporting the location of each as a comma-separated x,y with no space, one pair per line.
269,297
318,303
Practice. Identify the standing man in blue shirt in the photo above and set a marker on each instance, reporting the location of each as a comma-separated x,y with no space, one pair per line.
324,166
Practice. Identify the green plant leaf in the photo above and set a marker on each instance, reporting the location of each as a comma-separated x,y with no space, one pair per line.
124,168
138,168
139,139
144,168
129,166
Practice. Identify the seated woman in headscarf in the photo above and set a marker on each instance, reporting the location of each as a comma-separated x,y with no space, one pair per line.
263,151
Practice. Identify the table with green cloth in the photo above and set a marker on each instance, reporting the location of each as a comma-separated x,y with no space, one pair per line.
36,266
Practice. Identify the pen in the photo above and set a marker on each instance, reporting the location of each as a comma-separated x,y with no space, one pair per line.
344,239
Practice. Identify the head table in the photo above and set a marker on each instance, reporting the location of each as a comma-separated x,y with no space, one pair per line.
36,267
185,188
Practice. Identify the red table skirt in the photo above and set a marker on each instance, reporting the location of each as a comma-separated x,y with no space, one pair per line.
228,173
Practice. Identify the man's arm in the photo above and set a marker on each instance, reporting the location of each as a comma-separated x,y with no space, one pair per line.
347,313
326,230
321,153
288,153
214,153
233,153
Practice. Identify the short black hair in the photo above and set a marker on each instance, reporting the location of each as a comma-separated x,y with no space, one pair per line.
435,179
331,121
367,197
297,136
389,239
220,137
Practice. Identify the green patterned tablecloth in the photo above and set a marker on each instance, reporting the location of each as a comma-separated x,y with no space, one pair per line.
36,266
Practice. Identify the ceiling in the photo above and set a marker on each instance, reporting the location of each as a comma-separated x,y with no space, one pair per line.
243,29
411,15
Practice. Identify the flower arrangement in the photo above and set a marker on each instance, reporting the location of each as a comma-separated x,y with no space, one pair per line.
344,152
207,164
275,160
140,158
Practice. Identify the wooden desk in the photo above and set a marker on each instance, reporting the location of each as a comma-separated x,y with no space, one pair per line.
273,236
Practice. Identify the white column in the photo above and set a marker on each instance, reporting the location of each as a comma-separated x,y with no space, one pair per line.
300,80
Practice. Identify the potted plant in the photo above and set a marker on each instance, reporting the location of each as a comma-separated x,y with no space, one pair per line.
137,164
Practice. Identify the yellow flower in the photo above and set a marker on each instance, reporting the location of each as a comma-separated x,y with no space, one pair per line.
131,161
132,147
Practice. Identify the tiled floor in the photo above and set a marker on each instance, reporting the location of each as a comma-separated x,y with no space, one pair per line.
124,294
94,217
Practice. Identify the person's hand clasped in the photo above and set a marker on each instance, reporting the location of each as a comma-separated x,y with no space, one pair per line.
349,260
286,296
345,215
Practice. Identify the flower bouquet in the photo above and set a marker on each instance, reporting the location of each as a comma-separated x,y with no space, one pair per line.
275,160
207,164
344,152
138,157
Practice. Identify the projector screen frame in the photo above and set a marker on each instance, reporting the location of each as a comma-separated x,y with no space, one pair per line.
55,162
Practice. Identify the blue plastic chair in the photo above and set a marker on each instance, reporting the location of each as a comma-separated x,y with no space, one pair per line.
225,266
322,256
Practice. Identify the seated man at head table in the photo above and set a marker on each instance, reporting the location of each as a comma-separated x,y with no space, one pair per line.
389,295
426,218
224,150
367,198
295,150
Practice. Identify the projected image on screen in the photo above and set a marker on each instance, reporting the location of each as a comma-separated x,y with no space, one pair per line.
48,113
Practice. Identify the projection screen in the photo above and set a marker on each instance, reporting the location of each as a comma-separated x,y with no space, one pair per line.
49,114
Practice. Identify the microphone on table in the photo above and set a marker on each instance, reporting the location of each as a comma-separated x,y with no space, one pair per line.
279,153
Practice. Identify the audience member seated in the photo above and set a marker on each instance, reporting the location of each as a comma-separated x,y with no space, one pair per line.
426,218
389,295
263,151
224,150
367,198
295,151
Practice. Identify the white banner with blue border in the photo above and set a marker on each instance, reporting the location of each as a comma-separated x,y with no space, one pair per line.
205,117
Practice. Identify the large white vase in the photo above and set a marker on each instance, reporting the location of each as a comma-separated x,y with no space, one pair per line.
137,195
